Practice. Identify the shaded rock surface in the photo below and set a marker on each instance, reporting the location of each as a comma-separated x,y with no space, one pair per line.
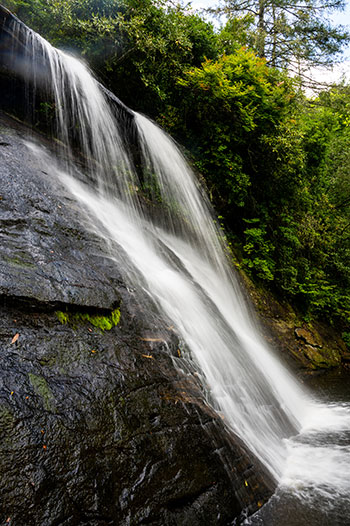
97,427
307,347
308,337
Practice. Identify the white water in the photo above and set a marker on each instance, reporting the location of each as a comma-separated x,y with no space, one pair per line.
179,261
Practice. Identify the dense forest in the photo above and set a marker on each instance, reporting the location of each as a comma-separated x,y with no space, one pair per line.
275,162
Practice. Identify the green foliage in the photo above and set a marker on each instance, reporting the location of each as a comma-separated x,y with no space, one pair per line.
236,33
259,251
104,323
63,317
224,106
277,167
346,338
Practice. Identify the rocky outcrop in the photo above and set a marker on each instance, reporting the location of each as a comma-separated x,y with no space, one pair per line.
308,337
306,347
98,424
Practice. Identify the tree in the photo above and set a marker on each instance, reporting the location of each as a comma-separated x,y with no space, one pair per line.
289,33
226,110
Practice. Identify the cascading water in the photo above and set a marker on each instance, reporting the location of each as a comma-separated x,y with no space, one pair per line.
174,253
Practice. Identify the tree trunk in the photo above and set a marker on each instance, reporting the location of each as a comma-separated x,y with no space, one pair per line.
260,44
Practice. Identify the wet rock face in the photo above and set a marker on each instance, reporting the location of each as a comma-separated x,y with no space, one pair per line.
305,347
98,427
317,351
43,251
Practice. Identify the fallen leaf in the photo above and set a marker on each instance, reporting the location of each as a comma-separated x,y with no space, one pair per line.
147,356
15,338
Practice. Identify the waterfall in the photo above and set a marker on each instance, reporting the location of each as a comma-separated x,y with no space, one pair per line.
163,234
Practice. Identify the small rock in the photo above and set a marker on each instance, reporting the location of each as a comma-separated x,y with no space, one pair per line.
321,359
307,336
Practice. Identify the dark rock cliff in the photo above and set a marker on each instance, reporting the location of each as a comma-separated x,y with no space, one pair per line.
98,427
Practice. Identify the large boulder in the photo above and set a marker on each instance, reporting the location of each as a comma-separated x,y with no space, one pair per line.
101,423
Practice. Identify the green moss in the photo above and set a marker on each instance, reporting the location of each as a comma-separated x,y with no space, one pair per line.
48,361
42,389
19,261
322,358
63,317
115,316
104,323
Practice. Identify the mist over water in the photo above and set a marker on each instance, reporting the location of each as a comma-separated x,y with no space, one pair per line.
172,251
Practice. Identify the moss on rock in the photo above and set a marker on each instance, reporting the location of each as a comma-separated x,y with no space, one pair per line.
103,322
42,389
322,358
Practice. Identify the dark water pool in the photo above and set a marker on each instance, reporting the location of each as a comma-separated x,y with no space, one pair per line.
315,488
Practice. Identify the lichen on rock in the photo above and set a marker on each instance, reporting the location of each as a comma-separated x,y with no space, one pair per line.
41,388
